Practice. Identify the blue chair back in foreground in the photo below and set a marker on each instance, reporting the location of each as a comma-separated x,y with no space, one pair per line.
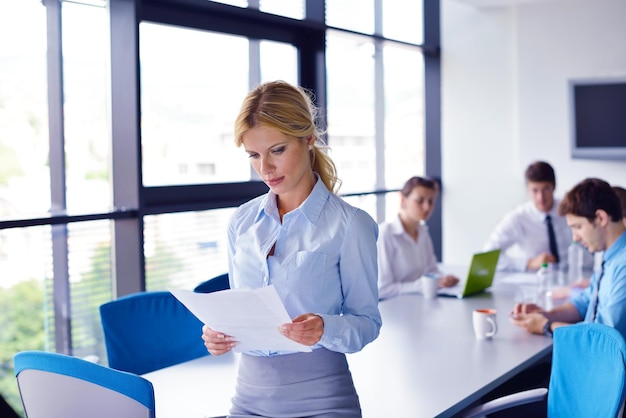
587,379
56,385
148,331
213,285
588,376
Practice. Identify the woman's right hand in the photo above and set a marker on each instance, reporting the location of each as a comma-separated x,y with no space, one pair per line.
216,342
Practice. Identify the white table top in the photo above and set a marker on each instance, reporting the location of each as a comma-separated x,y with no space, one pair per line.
199,388
425,363
428,363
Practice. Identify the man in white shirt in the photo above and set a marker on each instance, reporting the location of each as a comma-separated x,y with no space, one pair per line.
523,234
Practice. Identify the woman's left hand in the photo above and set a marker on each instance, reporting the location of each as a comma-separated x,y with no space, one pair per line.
305,329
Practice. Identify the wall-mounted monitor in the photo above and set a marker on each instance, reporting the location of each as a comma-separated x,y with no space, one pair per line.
598,118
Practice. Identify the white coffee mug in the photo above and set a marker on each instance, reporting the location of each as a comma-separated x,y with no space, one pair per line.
430,286
485,325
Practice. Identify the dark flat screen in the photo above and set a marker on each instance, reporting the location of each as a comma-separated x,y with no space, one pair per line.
599,119
601,115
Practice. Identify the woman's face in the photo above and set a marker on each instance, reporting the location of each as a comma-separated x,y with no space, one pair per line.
419,204
283,162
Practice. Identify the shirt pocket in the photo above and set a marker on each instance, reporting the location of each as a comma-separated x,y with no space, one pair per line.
306,272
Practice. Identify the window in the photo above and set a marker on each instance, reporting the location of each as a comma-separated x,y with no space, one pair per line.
23,110
403,20
87,136
352,110
367,69
404,136
375,115
185,249
288,8
189,101
354,15
25,253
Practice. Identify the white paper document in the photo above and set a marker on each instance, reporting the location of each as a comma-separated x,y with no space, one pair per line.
251,316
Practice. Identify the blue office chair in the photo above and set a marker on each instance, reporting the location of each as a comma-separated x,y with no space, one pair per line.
55,385
213,285
147,331
588,377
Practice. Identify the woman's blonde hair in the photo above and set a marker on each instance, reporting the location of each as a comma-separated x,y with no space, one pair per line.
290,110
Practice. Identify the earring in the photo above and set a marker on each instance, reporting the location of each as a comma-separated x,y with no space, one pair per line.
310,147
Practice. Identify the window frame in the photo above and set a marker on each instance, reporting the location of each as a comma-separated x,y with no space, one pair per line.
131,200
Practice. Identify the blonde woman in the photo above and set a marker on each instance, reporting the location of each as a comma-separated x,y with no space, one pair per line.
317,250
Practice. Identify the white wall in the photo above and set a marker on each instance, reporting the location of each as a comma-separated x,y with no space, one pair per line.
504,103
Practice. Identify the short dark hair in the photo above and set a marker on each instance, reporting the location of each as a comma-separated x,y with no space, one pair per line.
416,181
540,171
587,197
621,196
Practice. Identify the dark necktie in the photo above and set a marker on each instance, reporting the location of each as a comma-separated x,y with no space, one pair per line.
596,291
552,238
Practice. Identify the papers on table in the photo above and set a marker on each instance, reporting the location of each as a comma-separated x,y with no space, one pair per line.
251,316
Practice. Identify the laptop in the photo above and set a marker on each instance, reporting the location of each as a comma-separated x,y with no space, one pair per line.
479,277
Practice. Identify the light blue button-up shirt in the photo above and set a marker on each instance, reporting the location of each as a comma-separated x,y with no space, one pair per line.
612,295
324,262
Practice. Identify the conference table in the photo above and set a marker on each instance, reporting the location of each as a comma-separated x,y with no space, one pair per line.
425,363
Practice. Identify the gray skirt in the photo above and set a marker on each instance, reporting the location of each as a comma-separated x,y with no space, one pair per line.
315,384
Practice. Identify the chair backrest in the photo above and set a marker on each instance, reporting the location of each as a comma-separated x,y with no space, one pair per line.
213,285
55,385
147,331
588,377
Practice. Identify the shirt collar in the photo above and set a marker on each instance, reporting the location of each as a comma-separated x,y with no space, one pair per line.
396,226
311,208
542,215
618,246
267,207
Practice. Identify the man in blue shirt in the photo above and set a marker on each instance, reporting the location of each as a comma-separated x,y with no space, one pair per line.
593,211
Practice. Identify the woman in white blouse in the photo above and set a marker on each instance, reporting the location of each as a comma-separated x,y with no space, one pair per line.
405,249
